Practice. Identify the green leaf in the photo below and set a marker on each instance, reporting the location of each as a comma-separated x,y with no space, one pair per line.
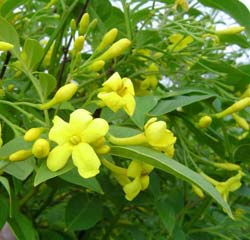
9,34
4,211
167,214
22,227
43,173
143,106
21,170
33,52
6,184
241,153
83,213
147,37
234,8
74,177
171,166
169,105
47,82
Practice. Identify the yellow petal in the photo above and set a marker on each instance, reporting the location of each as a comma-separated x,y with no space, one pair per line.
129,106
58,157
121,179
176,37
79,120
149,122
132,189
114,82
60,132
86,160
144,182
134,169
111,100
146,168
127,83
95,130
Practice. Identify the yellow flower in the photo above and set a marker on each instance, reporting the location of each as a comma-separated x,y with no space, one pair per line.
155,135
231,185
179,42
118,93
77,138
139,171
151,79
159,137
182,3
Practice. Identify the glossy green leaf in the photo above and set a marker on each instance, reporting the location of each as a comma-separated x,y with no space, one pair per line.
33,52
4,211
43,173
9,34
83,213
143,106
169,105
47,82
234,8
167,214
5,182
171,166
74,177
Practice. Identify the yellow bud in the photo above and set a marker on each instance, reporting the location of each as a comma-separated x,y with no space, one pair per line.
4,46
236,107
117,49
107,39
204,121
246,93
102,149
241,121
197,191
20,155
73,25
230,31
92,24
63,94
228,166
78,44
32,134
41,148
83,25
96,66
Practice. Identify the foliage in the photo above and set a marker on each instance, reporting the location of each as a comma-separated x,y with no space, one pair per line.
127,122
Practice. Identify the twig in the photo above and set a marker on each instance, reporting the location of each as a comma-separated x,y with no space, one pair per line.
66,49
5,64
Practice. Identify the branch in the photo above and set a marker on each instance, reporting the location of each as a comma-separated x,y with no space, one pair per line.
5,64
66,49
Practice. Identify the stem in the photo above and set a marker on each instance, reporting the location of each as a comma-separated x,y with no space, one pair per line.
126,16
134,140
5,64
13,126
112,167
66,49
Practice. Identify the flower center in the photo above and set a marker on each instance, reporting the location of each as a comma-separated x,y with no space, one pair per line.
75,140
122,91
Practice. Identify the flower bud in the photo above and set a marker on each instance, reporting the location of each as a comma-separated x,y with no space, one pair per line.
236,107
96,66
197,191
204,121
73,26
117,49
107,39
92,24
32,134
4,46
84,23
20,155
63,94
41,148
231,30
78,44
241,121
228,166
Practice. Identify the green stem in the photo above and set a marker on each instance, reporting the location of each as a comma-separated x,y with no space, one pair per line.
112,167
127,17
13,126
134,140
